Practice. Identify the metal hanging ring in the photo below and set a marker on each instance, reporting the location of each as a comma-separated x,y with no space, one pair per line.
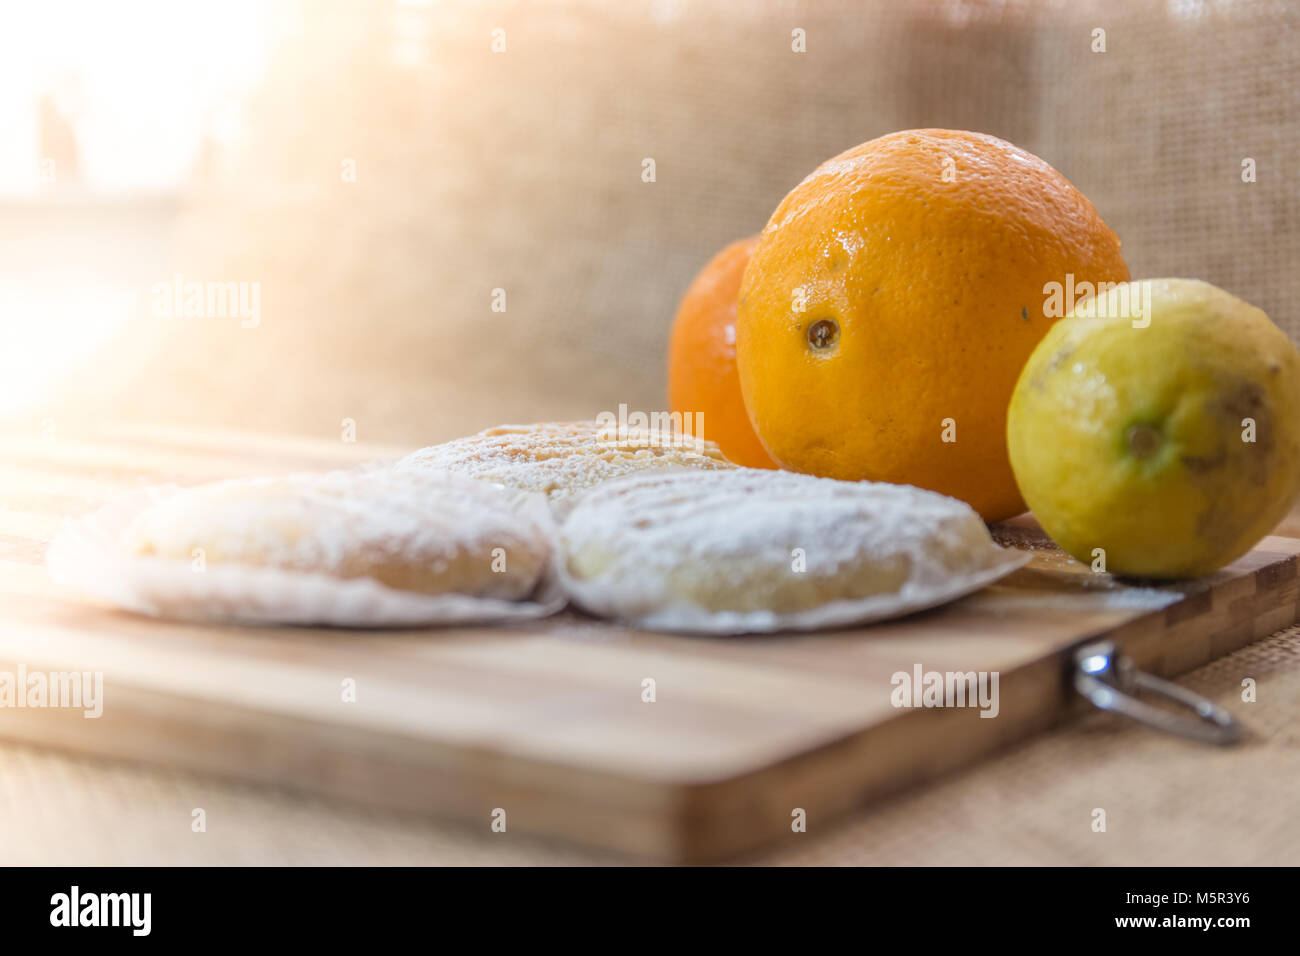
1110,681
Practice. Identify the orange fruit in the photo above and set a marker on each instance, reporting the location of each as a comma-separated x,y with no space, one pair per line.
702,376
893,299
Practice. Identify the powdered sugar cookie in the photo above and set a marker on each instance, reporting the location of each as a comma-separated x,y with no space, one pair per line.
563,459
751,550
370,547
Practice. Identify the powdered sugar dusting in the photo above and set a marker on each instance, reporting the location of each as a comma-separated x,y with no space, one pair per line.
366,567
1075,586
1074,602
750,549
427,531
563,459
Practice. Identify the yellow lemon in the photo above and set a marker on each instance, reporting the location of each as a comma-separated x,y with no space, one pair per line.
1155,428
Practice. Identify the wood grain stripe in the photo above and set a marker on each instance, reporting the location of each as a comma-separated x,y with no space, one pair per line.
1276,575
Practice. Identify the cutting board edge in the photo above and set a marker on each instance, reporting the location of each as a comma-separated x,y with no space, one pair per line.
1191,624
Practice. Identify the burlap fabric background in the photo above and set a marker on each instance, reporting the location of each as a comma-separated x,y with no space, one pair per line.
522,170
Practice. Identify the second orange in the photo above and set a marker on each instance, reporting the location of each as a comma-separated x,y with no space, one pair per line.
702,375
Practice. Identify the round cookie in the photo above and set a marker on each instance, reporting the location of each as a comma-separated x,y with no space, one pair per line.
751,550
427,533
562,460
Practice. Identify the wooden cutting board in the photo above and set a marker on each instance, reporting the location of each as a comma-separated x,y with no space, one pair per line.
546,721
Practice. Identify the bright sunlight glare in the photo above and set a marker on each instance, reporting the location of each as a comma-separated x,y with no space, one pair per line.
105,108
